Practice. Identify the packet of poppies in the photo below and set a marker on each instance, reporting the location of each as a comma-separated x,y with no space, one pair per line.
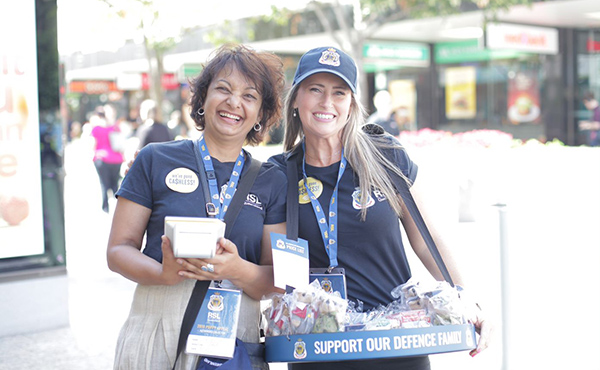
313,310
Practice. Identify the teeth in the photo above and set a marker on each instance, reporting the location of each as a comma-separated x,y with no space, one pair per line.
324,116
227,115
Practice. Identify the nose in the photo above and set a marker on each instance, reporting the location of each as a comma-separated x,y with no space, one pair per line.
326,101
233,101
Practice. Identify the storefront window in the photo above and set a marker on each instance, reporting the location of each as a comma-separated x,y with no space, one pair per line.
506,92
588,77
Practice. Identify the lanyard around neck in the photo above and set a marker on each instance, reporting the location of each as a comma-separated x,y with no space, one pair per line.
218,207
328,228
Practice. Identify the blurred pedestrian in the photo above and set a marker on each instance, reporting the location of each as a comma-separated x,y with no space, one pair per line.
384,115
151,130
593,125
108,158
236,99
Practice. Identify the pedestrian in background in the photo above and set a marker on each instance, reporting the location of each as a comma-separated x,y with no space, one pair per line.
593,125
236,99
348,169
107,158
151,130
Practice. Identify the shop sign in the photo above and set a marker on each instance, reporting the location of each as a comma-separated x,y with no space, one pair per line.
92,87
503,36
21,208
169,81
468,51
189,71
397,51
593,46
129,81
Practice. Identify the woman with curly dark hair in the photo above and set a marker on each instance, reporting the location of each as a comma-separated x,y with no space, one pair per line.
236,100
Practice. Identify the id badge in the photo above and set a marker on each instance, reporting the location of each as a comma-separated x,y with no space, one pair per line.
215,327
334,281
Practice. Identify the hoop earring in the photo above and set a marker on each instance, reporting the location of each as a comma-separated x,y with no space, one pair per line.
257,127
295,112
200,112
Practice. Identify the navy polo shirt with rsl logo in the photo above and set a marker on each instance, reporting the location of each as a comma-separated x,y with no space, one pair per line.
370,251
165,178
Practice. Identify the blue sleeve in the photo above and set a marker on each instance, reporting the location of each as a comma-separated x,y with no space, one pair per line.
406,165
276,210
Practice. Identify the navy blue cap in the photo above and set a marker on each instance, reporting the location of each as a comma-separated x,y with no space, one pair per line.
327,59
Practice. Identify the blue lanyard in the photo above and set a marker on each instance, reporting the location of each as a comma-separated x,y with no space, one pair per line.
218,207
328,229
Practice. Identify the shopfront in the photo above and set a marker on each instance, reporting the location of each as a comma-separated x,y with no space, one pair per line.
587,76
33,280
521,79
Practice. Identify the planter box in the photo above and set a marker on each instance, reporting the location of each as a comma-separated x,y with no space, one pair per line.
360,345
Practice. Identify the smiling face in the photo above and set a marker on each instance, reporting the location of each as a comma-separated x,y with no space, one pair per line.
323,103
232,106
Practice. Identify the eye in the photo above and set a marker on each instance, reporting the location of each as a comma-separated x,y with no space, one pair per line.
251,97
222,89
315,89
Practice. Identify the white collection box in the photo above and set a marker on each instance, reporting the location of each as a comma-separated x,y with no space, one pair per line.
194,237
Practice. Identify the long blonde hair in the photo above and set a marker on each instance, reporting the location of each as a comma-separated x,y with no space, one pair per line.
363,151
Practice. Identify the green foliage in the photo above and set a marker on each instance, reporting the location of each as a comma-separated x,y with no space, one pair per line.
223,35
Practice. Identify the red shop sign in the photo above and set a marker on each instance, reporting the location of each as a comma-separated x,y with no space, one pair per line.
169,81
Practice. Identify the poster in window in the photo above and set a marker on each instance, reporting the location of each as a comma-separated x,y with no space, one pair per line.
523,98
21,217
461,93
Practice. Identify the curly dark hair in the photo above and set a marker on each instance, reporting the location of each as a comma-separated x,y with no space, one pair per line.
263,68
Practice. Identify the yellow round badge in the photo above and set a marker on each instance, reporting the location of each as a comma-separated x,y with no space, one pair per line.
316,187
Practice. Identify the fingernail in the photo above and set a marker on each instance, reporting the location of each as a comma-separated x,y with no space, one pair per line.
474,352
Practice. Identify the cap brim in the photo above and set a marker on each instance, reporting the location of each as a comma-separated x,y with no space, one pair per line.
327,70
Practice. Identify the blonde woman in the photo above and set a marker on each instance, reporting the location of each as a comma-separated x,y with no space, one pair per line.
347,170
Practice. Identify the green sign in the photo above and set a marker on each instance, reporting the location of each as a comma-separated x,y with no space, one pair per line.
189,71
468,51
397,51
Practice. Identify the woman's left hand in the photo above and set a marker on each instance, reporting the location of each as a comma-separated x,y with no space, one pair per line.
484,328
224,265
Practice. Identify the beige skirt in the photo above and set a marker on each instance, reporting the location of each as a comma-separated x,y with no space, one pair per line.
148,339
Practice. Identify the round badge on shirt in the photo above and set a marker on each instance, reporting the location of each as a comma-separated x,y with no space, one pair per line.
182,180
316,187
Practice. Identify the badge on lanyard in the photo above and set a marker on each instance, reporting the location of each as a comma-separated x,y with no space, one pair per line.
290,261
331,280
215,327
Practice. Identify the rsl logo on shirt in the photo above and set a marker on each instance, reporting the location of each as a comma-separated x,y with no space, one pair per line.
315,186
357,197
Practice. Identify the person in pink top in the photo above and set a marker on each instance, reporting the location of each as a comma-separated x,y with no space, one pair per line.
107,159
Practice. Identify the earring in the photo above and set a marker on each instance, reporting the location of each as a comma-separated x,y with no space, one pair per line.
295,112
200,112
257,127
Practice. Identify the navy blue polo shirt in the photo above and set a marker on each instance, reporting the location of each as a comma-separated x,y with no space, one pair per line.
150,183
371,251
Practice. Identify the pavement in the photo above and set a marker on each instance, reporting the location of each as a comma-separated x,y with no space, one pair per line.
553,262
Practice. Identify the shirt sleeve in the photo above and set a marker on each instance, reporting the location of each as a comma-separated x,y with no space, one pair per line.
276,210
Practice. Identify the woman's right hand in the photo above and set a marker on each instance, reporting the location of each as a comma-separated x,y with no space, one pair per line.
130,163
171,269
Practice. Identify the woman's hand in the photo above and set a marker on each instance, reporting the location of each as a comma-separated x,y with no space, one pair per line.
484,328
130,163
225,265
170,273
